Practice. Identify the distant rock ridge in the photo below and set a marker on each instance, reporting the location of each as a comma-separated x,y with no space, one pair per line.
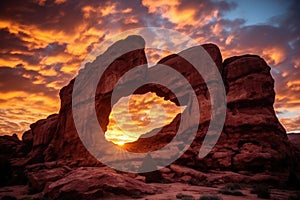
252,139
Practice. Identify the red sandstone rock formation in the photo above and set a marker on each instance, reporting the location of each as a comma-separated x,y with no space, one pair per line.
252,140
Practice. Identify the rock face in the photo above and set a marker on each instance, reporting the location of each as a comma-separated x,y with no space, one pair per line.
252,139
65,142
295,139
258,141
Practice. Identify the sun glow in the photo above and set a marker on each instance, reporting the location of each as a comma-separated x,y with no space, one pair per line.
144,116
119,143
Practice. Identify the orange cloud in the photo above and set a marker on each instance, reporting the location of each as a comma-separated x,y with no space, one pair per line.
20,109
274,55
291,124
179,14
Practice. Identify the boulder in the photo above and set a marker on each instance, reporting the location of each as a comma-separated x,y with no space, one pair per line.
43,130
182,171
38,179
96,183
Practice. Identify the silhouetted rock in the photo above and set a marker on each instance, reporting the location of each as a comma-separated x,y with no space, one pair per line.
9,146
5,171
295,139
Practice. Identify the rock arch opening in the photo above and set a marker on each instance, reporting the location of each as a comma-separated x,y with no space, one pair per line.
140,116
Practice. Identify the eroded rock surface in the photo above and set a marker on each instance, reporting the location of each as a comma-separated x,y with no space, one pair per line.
53,160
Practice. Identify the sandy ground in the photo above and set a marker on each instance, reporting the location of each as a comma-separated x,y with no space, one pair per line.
167,192
170,191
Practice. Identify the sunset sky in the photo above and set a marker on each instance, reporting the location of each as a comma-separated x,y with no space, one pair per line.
142,116
43,43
